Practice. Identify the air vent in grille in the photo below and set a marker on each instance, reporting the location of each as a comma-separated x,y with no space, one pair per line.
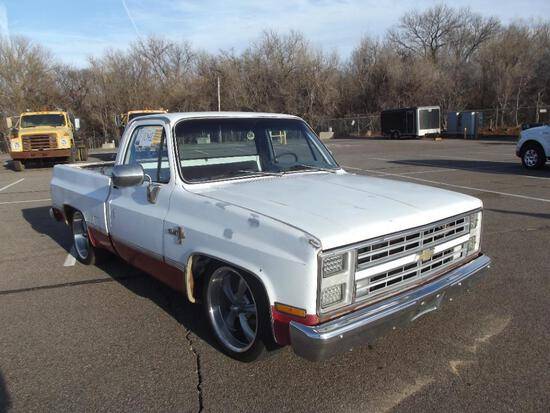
39,142
407,249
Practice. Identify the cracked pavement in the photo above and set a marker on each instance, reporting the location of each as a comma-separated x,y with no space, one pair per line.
110,338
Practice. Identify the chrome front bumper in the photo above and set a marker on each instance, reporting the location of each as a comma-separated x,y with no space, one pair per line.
365,325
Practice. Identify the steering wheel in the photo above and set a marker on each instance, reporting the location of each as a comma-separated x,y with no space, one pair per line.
287,154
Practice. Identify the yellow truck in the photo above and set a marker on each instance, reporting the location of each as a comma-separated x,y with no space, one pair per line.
47,135
122,120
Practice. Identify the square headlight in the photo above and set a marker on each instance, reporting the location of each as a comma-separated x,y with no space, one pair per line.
336,280
334,264
474,243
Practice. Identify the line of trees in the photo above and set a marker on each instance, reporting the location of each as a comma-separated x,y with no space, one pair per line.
452,57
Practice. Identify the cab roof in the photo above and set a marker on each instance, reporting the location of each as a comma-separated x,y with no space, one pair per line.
177,116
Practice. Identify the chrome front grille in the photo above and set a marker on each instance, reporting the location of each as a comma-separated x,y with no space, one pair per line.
393,262
39,142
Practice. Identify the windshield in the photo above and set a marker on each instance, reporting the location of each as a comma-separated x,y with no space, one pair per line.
211,149
137,114
30,121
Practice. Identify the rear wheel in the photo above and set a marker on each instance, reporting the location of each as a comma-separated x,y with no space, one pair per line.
85,252
235,305
533,157
18,166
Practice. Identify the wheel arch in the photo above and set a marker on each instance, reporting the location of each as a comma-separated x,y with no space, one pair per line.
198,263
532,142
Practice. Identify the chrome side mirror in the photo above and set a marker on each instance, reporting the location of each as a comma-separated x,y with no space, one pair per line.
127,175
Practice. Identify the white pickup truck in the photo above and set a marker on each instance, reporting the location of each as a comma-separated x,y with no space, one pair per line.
533,147
250,215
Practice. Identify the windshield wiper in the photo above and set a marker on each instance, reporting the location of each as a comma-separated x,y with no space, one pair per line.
261,173
303,166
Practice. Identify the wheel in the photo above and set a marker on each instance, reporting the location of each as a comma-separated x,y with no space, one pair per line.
533,157
73,156
236,308
85,252
83,154
18,166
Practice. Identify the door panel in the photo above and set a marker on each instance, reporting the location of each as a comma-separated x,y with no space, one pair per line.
137,225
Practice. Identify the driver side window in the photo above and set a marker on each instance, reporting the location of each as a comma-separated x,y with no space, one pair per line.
148,148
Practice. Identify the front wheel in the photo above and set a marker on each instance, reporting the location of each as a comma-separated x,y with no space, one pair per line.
235,306
533,157
18,166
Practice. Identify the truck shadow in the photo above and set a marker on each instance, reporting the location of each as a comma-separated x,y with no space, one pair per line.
490,167
175,304
5,401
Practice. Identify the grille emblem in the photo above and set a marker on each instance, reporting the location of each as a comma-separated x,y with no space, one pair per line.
426,255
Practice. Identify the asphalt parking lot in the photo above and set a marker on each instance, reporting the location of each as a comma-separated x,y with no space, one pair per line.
78,338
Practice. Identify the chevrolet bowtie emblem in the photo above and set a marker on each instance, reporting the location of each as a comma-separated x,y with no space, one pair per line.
426,255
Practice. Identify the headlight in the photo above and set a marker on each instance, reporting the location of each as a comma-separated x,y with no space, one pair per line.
15,145
64,142
333,265
336,279
474,242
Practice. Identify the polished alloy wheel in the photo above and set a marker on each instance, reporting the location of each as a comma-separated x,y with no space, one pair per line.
232,309
531,157
80,235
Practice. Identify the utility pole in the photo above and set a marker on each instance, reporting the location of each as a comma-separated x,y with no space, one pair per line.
219,97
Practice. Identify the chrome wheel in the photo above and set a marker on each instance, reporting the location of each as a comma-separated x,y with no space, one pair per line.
80,235
531,157
232,309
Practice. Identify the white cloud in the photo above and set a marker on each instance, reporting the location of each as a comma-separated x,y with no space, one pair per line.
4,28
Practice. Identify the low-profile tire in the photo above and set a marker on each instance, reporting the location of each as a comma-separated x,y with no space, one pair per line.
237,310
85,252
18,166
533,157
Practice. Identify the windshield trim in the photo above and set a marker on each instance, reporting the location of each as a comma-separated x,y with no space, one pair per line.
317,142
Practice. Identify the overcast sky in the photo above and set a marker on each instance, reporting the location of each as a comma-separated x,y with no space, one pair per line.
76,29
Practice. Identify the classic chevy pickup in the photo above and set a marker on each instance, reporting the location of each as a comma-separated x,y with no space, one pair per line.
250,215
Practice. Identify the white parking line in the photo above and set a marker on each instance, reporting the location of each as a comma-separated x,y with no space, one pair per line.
26,201
70,260
452,185
12,184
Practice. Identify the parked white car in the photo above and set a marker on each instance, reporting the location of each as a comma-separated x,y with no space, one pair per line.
250,215
533,147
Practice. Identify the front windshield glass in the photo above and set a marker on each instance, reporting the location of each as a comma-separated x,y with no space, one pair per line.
30,121
212,149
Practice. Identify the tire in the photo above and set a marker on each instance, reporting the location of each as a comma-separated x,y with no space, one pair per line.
18,166
533,156
85,252
73,157
237,310
83,154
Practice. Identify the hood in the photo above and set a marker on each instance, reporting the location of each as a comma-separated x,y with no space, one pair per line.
341,209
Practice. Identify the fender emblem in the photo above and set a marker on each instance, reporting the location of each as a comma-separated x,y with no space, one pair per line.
426,255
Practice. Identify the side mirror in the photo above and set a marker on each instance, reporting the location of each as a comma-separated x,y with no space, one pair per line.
118,121
9,123
76,123
127,175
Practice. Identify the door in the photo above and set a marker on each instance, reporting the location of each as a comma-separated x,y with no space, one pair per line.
136,223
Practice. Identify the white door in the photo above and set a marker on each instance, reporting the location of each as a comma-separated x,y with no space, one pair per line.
136,223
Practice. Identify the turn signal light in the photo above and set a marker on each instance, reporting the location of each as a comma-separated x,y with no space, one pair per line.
287,309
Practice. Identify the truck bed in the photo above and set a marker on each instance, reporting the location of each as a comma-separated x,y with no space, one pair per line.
85,187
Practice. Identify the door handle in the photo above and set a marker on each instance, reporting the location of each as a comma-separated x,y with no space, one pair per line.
178,233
